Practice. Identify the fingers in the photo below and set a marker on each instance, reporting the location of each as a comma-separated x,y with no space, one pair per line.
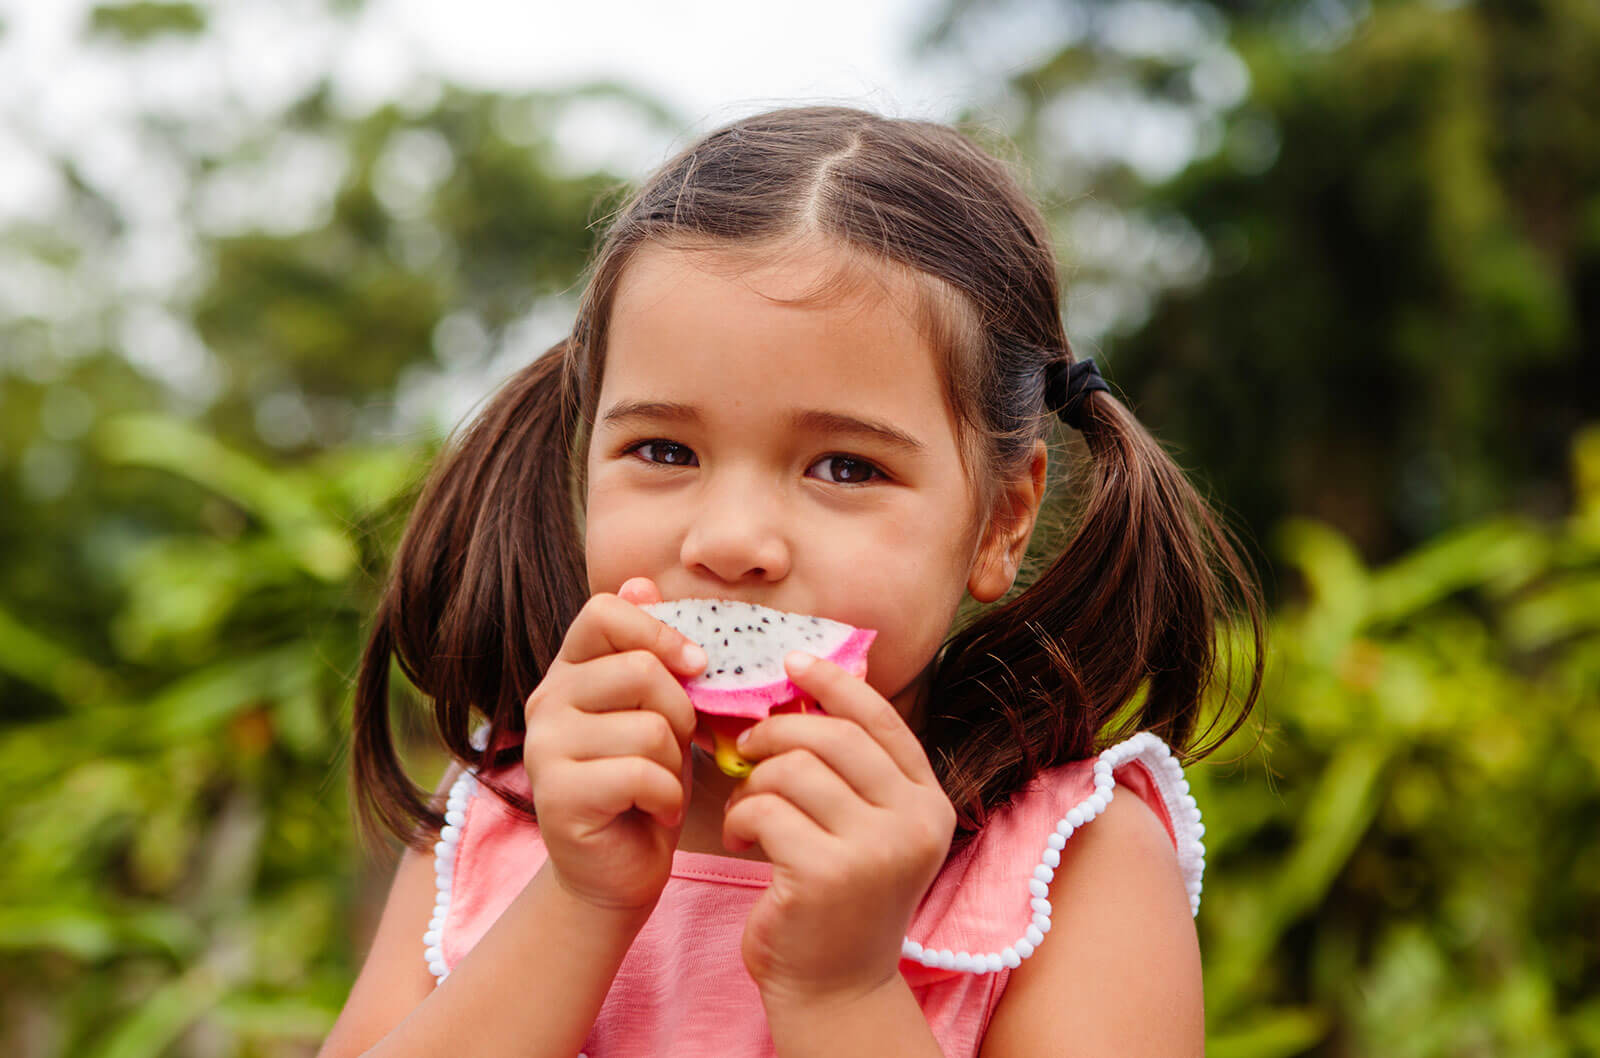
806,782
633,680
625,706
631,733
849,771
772,822
616,656
839,743
849,697
611,624
612,785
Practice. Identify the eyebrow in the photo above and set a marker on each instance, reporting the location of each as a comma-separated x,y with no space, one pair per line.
624,410
814,420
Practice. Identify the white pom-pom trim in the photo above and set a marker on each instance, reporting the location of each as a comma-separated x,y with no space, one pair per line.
444,869
1186,827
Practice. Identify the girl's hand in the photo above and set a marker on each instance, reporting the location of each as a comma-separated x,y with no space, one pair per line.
606,750
847,808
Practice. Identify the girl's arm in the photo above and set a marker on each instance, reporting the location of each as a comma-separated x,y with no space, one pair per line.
532,986
1120,971
605,751
884,1021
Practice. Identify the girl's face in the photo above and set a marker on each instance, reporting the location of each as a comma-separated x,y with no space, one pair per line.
800,457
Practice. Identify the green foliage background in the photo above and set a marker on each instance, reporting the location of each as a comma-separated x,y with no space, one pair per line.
1384,367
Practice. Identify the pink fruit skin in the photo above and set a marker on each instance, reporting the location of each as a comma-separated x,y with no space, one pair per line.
755,703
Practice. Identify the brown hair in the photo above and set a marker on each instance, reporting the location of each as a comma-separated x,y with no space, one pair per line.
1118,634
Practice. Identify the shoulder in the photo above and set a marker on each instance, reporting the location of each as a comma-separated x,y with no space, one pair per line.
992,903
1120,971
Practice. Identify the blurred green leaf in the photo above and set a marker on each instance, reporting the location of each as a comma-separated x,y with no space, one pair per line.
1551,614
81,934
162,1018
139,22
275,1017
48,665
1337,811
282,500
192,706
96,935
1502,554
1275,1034
362,481
1336,578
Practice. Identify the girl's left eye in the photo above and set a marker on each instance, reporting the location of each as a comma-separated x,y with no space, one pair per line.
846,470
664,453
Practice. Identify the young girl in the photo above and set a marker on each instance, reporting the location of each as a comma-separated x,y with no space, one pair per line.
816,367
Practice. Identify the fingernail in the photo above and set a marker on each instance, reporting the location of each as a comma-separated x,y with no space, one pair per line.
693,656
798,662
744,737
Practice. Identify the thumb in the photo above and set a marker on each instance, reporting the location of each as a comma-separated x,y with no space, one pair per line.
641,591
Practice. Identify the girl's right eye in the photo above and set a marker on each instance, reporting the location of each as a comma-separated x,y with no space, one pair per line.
664,453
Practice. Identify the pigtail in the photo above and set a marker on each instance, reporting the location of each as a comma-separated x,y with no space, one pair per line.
1131,606
486,579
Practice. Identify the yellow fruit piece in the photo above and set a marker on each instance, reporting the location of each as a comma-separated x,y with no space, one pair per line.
727,756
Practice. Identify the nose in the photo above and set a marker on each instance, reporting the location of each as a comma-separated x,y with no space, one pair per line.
737,535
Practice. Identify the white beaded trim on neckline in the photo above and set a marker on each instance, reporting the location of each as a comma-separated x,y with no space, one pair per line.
1143,747
444,869
1186,828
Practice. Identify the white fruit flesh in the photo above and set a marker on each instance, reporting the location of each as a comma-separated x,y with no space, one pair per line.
746,644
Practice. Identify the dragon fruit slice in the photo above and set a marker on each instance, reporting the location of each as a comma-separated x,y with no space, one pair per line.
744,677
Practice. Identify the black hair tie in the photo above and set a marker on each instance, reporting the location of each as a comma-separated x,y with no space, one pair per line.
1067,384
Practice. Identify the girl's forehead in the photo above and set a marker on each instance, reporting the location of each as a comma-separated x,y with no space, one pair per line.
797,272
798,310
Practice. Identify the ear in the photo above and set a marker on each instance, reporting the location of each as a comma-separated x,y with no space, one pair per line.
1010,524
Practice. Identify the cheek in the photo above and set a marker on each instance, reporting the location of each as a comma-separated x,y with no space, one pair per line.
908,582
619,542
912,633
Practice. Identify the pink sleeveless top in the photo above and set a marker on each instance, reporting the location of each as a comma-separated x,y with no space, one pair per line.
682,989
